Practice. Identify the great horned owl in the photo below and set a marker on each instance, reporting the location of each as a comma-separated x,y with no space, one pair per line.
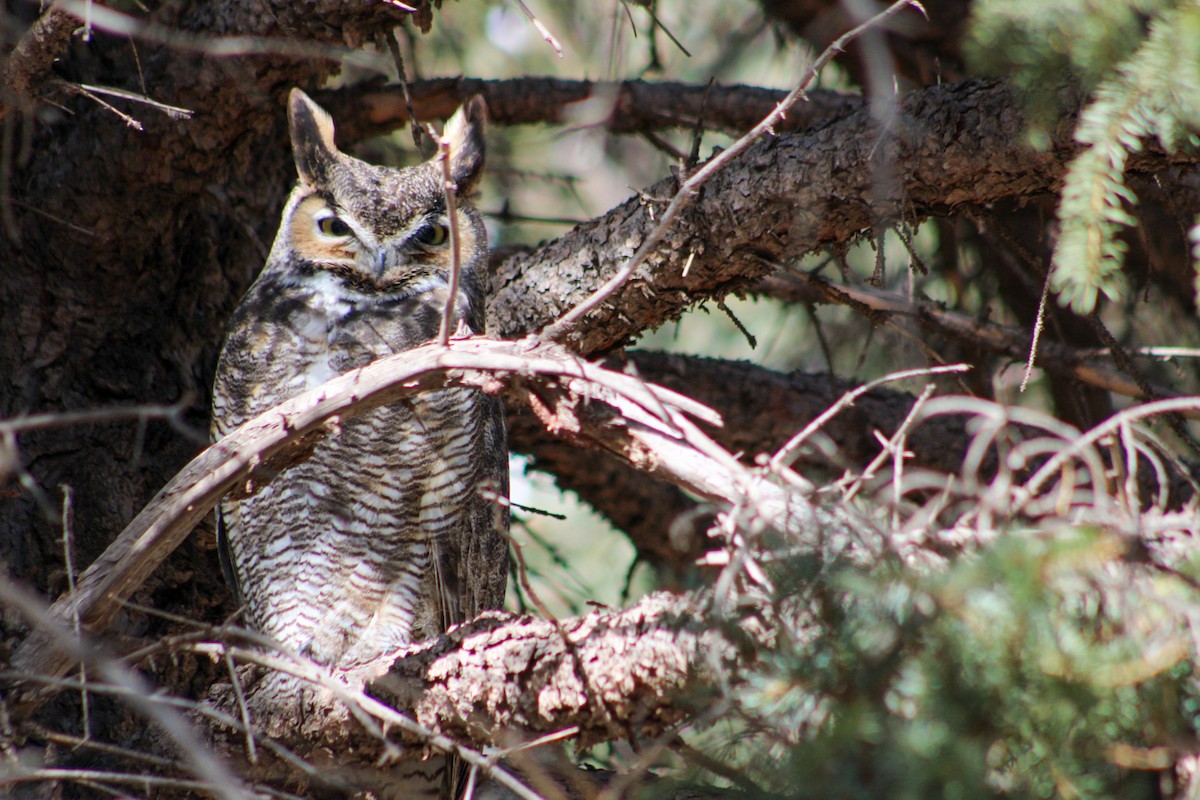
383,536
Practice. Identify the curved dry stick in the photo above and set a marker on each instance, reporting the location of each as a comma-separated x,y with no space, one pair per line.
787,454
500,671
647,428
1176,405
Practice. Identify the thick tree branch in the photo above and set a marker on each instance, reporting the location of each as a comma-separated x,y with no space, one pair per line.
691,183
616,675
612,674
221,32
30,61
498,680
633,106
784,197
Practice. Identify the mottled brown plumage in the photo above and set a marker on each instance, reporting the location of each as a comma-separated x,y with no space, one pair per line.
383,536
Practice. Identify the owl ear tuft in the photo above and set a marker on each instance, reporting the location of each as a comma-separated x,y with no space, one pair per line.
312,139
465,131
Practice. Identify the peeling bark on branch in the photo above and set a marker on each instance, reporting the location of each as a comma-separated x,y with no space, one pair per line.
633,674
617,675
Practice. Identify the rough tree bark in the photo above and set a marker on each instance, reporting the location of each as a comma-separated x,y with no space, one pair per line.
948,147
124,251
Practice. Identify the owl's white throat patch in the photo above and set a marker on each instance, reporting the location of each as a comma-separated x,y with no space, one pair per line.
329,302
330,297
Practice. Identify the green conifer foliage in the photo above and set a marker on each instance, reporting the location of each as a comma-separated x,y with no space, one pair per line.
1140,62
1046,665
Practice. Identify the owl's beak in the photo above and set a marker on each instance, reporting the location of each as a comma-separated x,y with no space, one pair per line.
381,263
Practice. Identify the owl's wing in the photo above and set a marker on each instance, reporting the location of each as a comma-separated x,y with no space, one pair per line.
486,567
471,566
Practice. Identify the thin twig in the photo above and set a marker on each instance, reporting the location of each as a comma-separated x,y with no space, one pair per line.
80,89
787,454
76,742
541,741
240,696
191,706
649,8
450,190
52,217
62,419
619,786
402,75
1039,325
893,448
569,322
542,29
68,533
14,775
506,214
1149,392
174,112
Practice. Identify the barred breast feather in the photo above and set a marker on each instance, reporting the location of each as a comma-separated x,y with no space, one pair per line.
355,552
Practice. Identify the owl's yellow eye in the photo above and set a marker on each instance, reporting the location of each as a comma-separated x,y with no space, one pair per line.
434,235
332,226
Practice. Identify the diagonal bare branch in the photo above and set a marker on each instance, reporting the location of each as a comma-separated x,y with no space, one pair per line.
645,425
1008,340
567,326
784,197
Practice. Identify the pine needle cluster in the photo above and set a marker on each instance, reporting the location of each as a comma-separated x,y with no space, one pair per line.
1140,63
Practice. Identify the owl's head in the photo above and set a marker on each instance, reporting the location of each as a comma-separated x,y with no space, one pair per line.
378,228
